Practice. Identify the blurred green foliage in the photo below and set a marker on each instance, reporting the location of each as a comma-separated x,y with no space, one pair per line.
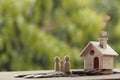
33,32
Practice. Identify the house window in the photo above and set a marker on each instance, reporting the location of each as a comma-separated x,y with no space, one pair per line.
92,52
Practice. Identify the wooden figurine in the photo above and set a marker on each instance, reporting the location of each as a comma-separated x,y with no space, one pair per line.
62,66
57,63
98,55
67,65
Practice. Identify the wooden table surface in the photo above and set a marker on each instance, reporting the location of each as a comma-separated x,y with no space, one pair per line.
10,76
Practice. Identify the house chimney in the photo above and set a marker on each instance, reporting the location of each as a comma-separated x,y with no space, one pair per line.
103,42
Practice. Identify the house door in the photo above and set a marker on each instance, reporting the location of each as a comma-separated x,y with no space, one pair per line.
96,63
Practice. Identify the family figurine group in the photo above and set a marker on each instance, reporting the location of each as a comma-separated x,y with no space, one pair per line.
63,66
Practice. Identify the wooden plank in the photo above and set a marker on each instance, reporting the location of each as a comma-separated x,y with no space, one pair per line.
10,76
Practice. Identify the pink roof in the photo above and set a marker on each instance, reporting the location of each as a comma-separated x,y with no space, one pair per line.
107,51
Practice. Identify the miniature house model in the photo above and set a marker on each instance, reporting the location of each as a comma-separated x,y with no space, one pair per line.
98,55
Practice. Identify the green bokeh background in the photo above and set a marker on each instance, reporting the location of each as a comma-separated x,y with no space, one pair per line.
33,32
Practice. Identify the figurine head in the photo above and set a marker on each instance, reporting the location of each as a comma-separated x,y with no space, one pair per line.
61,61
57,59
67,58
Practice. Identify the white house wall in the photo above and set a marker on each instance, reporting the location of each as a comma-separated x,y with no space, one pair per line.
108,62
89,59
88,62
